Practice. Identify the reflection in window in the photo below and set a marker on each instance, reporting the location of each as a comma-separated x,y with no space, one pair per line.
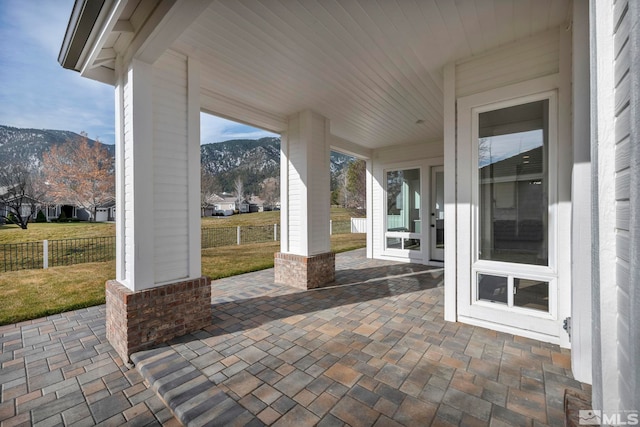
533,294
403,200
493,288
513,173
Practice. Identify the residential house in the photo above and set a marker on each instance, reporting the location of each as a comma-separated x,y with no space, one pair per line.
422,91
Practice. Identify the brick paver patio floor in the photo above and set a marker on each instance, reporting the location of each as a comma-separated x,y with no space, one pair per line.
373,350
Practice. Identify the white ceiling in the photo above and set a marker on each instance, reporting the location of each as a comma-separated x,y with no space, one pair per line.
373,67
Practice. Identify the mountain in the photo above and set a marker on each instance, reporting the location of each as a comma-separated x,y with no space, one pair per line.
252,160
18,144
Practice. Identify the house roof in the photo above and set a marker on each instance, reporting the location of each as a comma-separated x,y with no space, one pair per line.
374,69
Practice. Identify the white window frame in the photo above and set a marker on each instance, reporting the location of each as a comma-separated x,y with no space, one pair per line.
412,254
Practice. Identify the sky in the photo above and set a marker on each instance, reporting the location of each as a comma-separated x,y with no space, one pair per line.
36,92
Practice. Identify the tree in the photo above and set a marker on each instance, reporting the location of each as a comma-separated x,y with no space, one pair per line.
81,174
270,191
209,187
20,193
238,190
356,185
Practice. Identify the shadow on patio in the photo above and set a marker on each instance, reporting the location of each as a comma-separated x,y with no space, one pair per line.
375,351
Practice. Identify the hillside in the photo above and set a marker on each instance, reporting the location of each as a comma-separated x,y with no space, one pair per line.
252,160
18,144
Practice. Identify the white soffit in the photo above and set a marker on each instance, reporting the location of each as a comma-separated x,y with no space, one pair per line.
374,68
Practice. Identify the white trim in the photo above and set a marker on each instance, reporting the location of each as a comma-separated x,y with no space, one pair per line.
509,329
193,162
120,184
450,196
140,257
284,192
606,332
370,229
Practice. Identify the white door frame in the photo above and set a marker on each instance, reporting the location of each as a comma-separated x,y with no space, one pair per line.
538,325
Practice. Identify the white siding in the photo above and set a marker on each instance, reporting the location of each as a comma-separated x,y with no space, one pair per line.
622,81
170,168
296,196
526,59
307,191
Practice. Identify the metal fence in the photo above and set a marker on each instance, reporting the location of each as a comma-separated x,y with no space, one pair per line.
53,253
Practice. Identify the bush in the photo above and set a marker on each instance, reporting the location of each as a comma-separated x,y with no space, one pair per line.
41,217
12,218
62,217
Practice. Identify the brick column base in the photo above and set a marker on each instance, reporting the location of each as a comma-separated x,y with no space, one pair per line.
140,320
305,272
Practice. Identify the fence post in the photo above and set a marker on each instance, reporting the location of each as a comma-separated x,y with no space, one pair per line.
45,254
275,232
330,227
238,235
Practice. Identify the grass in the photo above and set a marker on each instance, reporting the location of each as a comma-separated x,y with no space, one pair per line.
29,294
53,231
10,233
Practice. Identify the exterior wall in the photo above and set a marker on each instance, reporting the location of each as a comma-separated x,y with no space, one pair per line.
615,141
422,156
505,73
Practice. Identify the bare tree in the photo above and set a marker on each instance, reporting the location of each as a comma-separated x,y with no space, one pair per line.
209,187
80,173
238,190
270,191
20,193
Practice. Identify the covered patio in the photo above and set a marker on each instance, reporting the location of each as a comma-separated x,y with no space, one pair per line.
373,350
501,141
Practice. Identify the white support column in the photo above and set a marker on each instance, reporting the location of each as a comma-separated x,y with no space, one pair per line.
305,203
450,198
158,203
370,228
308,185
581,338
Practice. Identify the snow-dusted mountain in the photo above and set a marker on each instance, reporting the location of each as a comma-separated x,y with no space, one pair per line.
19,144
252,160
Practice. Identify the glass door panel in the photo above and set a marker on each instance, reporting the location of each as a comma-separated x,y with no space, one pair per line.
437,213
404,227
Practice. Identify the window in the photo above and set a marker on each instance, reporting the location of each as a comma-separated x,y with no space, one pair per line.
404,225
513,184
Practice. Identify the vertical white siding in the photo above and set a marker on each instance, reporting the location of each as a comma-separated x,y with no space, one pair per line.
170,168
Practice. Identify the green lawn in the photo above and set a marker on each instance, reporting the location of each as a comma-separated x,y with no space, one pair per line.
29,294
53,231
74,230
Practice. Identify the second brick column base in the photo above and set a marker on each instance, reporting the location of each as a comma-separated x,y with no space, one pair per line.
305,272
